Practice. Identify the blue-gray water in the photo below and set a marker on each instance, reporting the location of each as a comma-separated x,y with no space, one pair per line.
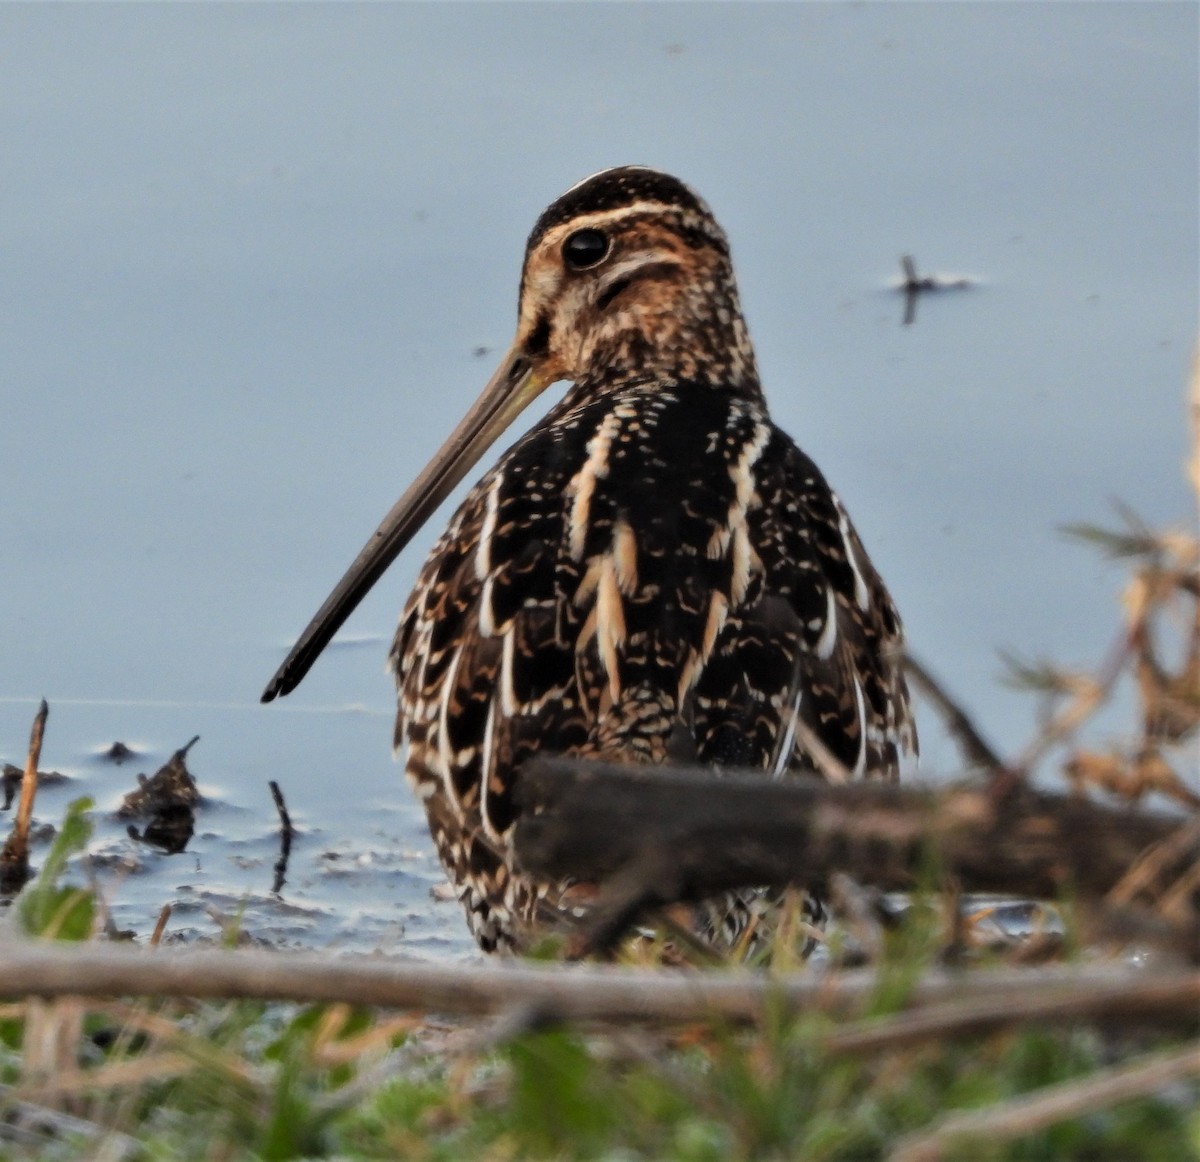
247,254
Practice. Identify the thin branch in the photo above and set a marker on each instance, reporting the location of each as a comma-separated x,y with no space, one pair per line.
1089,698
1146,875
1194,413
975,749
1136,998
14,860
286,834
161,926
831,768
580,993
1029,1113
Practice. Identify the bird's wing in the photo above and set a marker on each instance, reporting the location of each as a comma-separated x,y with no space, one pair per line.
819,640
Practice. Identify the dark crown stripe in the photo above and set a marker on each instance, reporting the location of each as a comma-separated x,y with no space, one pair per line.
610,190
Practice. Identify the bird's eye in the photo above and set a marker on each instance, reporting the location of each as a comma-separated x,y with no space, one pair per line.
585,248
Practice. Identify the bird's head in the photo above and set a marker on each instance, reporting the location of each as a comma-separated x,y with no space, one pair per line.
627,275
627,278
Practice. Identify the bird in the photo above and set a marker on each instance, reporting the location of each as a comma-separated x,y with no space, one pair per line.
653,572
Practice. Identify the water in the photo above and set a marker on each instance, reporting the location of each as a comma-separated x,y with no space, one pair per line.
249,254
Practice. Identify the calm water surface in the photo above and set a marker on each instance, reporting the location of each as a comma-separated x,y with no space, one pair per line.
248,256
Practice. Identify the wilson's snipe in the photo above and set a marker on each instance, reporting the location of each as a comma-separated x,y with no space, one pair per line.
655,567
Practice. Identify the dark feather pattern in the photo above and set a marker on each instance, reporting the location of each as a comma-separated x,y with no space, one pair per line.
655,571
655,558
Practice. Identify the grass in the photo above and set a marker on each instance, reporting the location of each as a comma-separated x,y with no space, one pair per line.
172,1080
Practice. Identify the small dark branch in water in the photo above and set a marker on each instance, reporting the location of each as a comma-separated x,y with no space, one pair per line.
655,836
118,753
913,285
286,832
975,749
14,860
1086,696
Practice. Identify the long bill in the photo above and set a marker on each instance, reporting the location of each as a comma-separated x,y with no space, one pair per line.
515,383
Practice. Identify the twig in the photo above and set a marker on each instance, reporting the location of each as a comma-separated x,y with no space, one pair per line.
581,993
515,1021
29,780
1146,875
1194,411
286,832
14,860
161,926
830,767
1084,704
975,749
1136,998
1029,1113
913,285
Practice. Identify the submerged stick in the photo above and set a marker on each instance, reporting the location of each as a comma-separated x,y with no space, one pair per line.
14,860
286,833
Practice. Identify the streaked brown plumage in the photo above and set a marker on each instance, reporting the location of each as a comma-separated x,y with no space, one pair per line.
654,571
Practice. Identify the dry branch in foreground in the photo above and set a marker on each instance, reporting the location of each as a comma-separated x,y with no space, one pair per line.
587,993
655,835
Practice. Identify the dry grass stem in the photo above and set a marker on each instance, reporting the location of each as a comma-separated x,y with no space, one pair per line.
1145,877
1030,1113
975,750
1194,412
1009,1003
51,1042
830,767
73,1082
14,860
161,926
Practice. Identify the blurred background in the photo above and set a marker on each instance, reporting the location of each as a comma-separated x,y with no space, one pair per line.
256,260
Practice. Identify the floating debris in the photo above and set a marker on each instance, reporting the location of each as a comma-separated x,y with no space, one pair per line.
912,284
118,753
11,780
11,776
167,799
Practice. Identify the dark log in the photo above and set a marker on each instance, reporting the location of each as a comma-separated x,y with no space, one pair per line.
655,835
